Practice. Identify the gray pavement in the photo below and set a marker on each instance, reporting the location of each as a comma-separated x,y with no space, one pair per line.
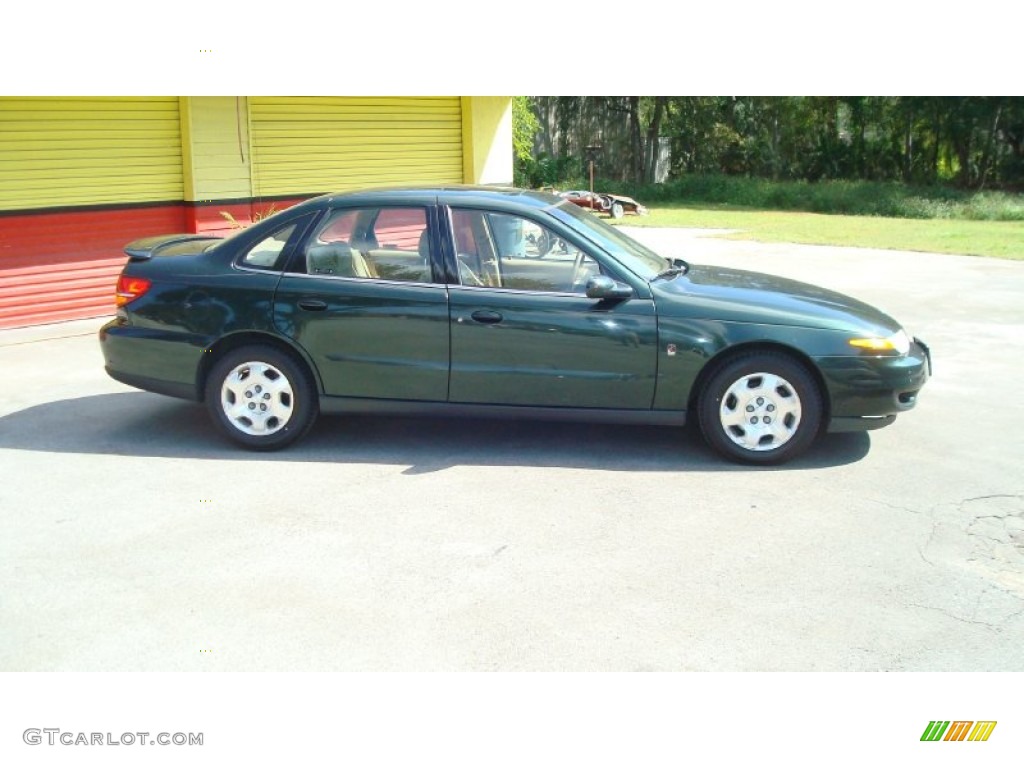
134,538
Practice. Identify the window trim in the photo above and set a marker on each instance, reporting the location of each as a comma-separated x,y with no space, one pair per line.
361,210
301,224
453,279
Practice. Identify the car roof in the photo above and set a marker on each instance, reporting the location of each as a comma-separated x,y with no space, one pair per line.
453,194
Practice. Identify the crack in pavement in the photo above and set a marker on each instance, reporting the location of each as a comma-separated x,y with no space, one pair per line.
992,496
943,611
897,507
977,539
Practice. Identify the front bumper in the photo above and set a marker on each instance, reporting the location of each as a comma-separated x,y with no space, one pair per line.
868,392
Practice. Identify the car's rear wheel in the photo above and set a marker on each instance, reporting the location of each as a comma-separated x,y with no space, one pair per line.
261,398
617,210
760,408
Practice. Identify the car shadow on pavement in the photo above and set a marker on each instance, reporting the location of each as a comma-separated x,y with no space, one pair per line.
143,424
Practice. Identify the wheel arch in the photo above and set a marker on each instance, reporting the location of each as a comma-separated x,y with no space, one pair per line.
731,353
233,341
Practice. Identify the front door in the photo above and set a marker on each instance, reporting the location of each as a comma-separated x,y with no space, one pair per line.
523,331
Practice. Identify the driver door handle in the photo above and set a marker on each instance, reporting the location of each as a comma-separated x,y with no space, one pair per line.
313,305
487,316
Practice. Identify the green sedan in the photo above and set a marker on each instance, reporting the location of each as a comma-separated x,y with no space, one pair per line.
478,301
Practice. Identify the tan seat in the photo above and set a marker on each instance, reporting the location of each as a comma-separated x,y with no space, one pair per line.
336,259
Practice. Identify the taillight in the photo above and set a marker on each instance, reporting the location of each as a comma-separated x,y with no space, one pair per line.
130,288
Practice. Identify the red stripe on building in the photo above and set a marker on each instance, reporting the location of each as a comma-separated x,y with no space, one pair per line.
64,265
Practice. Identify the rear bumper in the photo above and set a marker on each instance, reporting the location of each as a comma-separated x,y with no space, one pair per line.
156,361
868,392
170,388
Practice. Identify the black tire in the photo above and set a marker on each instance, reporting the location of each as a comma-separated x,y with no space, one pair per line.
273,392
760,408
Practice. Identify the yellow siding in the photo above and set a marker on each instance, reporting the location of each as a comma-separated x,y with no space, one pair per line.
304,145
67,151
487,133
215,144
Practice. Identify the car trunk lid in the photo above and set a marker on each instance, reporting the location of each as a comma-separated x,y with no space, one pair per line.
146,248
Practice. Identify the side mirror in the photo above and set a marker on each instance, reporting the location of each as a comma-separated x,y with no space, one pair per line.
603,287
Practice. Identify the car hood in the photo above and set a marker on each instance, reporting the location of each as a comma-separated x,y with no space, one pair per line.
720,293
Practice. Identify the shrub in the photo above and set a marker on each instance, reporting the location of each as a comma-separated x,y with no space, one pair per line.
864,198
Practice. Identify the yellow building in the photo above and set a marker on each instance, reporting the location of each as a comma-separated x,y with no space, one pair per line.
80,177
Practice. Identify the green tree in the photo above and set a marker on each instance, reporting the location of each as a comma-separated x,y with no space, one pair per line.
524,127
976,141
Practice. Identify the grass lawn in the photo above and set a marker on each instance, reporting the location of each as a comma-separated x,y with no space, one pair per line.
1001,239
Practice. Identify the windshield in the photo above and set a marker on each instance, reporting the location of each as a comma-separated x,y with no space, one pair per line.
638,258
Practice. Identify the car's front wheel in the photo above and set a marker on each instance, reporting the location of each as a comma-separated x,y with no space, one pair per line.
760,408
260,398
617,210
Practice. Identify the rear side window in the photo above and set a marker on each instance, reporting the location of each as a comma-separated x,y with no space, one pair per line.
270,252
266,253
370,243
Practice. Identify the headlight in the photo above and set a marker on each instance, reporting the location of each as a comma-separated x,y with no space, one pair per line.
899,342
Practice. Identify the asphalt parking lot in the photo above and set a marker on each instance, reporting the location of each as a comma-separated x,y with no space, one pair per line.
134,538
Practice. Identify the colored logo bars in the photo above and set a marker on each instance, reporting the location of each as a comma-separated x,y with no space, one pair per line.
959,730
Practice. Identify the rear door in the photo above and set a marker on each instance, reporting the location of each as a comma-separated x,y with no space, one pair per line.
362,298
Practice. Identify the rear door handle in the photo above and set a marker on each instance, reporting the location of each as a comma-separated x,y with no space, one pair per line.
487,316
313,305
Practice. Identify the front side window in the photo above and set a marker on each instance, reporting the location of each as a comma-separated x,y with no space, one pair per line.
370,243
637,258
499,250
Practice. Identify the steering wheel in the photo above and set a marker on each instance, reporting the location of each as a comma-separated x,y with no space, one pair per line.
544,244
